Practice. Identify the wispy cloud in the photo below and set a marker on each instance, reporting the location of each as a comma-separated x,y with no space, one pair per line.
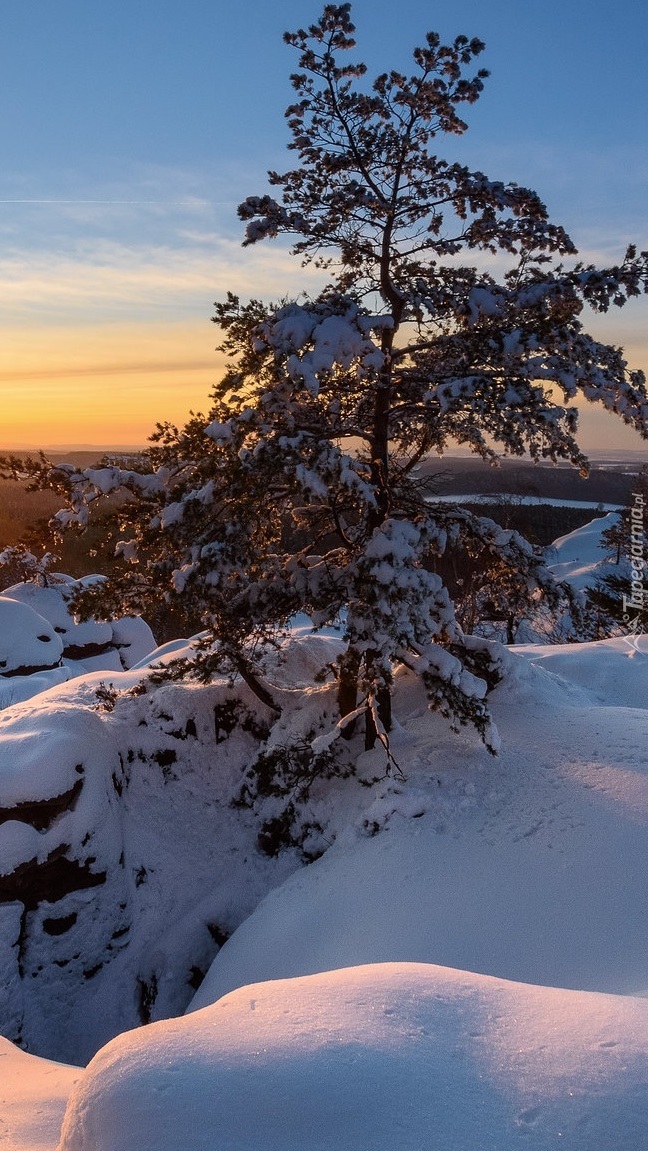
93,369
107,281
106,297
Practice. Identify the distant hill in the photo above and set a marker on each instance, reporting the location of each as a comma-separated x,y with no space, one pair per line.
464,475
83,457
454,475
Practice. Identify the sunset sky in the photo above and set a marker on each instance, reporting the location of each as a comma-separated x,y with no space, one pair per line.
130,131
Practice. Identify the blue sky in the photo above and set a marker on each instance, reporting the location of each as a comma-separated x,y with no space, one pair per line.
131,130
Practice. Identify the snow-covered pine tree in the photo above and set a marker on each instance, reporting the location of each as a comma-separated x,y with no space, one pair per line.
303,488
19,565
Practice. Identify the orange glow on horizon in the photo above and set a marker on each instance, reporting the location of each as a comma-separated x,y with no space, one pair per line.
109,384
103,385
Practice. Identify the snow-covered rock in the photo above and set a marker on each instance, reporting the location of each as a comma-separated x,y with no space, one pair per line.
28,642
124,862
53,603
528,870
543,849
63,886
42,644
128,870
133,639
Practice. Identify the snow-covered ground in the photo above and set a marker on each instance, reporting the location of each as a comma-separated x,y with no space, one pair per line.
579,557
385,1057
33,1097
532,867
464,967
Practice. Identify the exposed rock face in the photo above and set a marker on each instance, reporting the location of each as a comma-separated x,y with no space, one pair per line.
125,860
140,824
60,839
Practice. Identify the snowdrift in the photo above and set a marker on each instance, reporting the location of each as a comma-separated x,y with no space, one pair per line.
533,867
377,1057
33,1097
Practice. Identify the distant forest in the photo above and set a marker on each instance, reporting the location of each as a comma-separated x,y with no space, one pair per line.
23,514
606,485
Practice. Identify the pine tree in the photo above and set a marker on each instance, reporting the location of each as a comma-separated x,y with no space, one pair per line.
19,565
304,490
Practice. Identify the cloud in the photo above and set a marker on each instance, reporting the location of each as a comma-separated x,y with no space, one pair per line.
91,370
105,323
107,280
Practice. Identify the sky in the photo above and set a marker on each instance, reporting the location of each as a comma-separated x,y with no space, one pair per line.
130,132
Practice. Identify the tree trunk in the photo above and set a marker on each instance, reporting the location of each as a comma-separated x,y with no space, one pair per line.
250,678
347,695
380,435
380,484
380,456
